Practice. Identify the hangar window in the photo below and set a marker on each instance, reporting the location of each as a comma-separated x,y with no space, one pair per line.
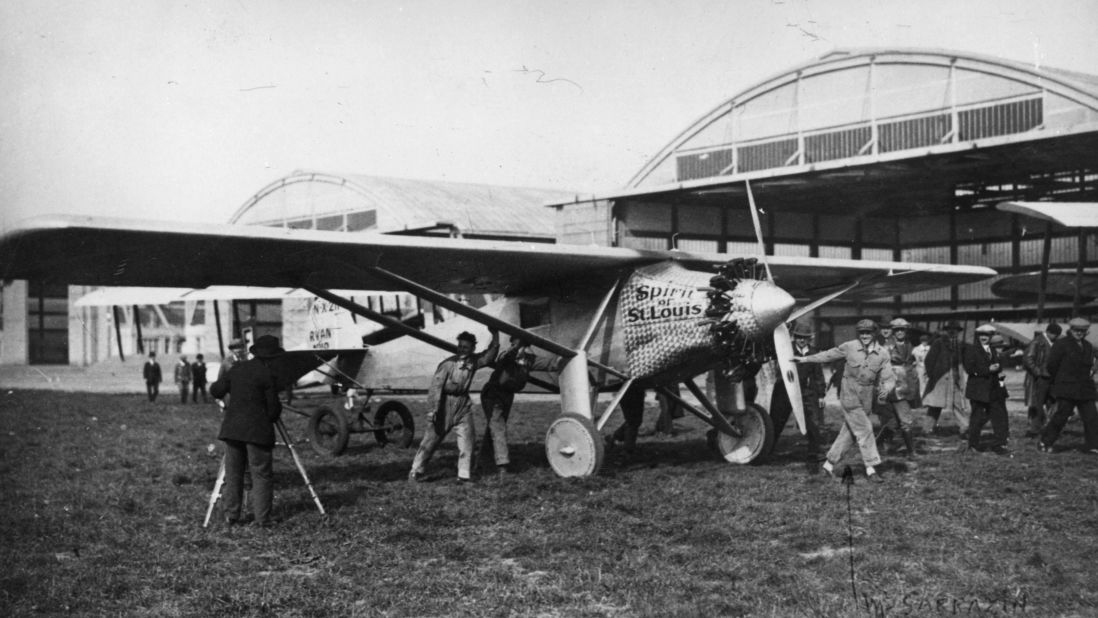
834,99
332,223
362,220
908,88
767,115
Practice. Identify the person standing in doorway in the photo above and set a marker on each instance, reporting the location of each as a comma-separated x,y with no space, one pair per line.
183,378
198,375
153,376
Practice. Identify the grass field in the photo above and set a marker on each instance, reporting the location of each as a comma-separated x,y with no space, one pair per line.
104,495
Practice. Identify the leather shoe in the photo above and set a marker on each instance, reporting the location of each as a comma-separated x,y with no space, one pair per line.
875,478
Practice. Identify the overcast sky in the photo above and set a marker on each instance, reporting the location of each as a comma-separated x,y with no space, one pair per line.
181,111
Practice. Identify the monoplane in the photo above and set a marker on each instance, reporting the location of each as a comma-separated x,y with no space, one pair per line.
619,318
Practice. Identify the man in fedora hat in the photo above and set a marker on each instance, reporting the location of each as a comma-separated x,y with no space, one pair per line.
813,388
945,379
248,429
1072,363
449,405
1035,359
867,371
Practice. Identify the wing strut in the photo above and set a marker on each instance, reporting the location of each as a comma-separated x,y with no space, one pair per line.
490,321
381,318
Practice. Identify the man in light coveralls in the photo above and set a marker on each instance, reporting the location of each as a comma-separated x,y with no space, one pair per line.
868,370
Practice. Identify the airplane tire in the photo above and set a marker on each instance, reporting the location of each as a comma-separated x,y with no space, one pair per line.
328,431
396,423
574,446
757,440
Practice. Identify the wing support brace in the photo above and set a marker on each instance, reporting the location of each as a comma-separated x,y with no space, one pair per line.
490,321
710,414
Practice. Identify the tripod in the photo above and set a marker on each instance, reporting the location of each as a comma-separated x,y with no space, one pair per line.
297,461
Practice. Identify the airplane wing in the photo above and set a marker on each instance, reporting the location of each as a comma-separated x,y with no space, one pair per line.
1060,286
124,252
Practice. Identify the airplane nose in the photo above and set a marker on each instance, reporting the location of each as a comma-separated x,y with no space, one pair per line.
770,305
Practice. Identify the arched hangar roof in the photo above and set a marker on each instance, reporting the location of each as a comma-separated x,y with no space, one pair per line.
872,105
353,202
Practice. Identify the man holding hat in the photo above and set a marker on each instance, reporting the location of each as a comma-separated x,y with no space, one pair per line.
1035,360
867,369
813,388
944,379
449,405
1071,363
236,355
985,390
248,429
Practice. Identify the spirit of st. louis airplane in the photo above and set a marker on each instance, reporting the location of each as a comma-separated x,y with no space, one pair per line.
618,318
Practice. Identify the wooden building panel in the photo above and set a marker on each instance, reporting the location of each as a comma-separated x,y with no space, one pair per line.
700,220
794,225
921,230
837,229
836,252
994,254
878,231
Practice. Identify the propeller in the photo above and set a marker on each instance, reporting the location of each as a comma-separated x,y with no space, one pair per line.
783,343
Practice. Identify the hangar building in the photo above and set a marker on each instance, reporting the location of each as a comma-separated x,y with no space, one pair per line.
877,154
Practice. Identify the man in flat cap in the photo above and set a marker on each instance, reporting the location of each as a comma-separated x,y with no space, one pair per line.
449,406
905,396
945,379
985,391
236,355
868,370
813,388
1038,402
1071,363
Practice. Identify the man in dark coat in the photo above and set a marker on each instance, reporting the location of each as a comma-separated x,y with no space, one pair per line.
813,388
153,376
944,380
248,429
1035,360
511,369
1071,363
985,390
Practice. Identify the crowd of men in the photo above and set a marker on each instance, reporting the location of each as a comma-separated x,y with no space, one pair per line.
189,377
881,372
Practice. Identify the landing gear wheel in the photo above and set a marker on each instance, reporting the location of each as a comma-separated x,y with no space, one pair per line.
395,424
328,431
757,439
574,446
